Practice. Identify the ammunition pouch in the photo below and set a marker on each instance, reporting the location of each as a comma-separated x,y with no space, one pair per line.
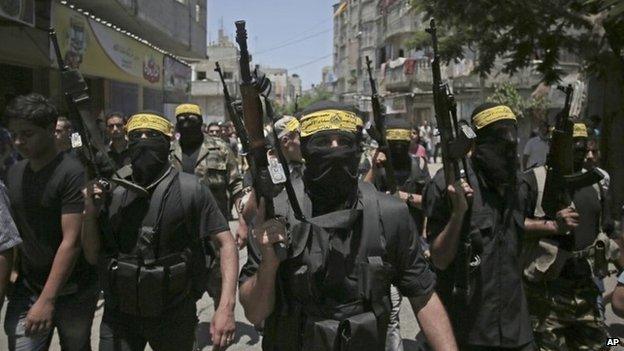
354,326
147,289
358,332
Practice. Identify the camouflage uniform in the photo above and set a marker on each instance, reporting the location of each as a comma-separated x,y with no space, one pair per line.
216,166
561,292
564,315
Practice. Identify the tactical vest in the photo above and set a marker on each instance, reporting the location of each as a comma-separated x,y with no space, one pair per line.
360,325
545,259
139,283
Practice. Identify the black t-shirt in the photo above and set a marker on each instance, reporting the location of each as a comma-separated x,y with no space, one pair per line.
46,195
411,180
204,217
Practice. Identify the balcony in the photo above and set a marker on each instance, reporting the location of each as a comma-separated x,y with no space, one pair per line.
408,75
401,20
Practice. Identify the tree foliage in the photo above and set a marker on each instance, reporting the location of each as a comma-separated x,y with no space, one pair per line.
314,95
523,33
507,94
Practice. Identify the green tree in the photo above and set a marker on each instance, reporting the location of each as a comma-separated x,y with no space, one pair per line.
539,34
524,32
315,95
507,94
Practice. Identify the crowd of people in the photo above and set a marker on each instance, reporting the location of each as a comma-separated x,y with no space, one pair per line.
152,234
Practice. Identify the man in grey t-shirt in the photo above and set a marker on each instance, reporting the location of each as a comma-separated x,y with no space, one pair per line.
9,238
536,149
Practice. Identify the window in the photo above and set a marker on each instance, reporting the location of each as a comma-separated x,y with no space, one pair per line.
228,75
197,13
201,75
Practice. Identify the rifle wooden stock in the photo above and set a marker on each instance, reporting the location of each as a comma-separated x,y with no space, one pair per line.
253,116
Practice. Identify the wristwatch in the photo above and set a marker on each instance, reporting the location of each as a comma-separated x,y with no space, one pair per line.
410,199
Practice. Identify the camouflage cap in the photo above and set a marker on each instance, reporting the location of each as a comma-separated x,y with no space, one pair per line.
285,125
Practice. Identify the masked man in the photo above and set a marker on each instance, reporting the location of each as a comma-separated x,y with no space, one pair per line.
213,162
152,260
411,174
485,240
561,267
333,289
208,157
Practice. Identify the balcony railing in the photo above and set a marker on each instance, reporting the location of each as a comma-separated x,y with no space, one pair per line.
411,74
401,20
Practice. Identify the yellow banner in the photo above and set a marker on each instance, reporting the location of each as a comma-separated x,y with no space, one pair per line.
330,120
98,50
492,115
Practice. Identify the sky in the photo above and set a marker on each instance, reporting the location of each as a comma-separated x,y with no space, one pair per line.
292,34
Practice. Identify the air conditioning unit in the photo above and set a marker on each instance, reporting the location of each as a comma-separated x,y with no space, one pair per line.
22,11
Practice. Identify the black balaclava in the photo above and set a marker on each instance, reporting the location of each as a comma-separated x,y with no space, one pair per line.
191,135
331,174
580,152
495,154
399,154
149,158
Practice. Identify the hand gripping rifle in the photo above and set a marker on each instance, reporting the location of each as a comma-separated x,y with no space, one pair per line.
455,140
232,113
258,146
87,145
379,131
561,181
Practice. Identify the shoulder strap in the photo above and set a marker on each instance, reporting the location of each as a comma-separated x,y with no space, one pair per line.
146,245
373,230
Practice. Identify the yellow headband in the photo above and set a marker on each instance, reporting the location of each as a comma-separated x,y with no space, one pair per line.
150,121
188,108
580,131
399,134
492,115
329,120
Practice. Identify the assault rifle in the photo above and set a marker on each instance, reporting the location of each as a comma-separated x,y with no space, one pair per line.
561,181
87,145
251,92
232,113
76,93
379,131
296,104
455,141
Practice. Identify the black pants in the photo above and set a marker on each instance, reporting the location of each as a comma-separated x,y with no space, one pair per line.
173,331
